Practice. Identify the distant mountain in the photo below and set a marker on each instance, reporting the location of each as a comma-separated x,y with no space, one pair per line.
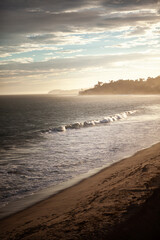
64,92
140,86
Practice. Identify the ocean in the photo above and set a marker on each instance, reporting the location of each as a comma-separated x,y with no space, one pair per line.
48,143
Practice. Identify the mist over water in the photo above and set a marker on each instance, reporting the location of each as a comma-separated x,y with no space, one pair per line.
34,156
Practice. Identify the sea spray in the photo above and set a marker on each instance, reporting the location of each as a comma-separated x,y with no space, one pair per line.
92,123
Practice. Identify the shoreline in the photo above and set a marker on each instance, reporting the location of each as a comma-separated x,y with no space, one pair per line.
22,204
112,194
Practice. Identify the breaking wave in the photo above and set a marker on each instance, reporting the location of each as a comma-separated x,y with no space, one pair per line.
91,123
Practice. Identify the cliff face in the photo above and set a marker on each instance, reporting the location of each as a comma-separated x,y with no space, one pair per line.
150,86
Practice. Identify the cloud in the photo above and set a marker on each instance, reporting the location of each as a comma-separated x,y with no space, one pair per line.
137,43
128,5
138,30
53,42
54,5
49,16
40,22
42,31
25,48
57,31
18,60
69,64
4,55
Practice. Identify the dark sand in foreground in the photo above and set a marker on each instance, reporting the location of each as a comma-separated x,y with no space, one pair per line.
120,202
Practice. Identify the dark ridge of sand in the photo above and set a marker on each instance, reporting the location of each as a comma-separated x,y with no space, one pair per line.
120,202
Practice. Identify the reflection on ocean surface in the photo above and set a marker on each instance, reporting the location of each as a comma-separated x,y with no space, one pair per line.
98,131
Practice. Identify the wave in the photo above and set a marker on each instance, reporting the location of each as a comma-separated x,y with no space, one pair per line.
91,123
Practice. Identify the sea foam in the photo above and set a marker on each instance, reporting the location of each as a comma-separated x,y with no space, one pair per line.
92,123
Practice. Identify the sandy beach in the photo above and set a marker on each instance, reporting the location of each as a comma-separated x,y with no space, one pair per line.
120,202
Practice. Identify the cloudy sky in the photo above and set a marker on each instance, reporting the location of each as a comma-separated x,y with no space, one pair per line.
70,44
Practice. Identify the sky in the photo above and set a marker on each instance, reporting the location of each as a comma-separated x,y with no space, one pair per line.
73,44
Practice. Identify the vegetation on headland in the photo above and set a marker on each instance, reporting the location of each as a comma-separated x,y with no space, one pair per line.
140,86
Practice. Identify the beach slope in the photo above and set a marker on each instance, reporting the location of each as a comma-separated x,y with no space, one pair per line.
120,202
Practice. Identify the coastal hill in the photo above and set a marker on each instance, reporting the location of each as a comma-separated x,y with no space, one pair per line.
140,86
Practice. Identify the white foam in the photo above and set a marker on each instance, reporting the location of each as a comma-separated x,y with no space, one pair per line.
124,115
74,125
60,129
105,120
90,123
96,121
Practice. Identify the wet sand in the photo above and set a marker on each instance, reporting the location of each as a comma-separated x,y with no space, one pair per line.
120,202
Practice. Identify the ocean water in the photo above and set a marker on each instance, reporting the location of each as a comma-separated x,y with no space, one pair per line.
46,141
